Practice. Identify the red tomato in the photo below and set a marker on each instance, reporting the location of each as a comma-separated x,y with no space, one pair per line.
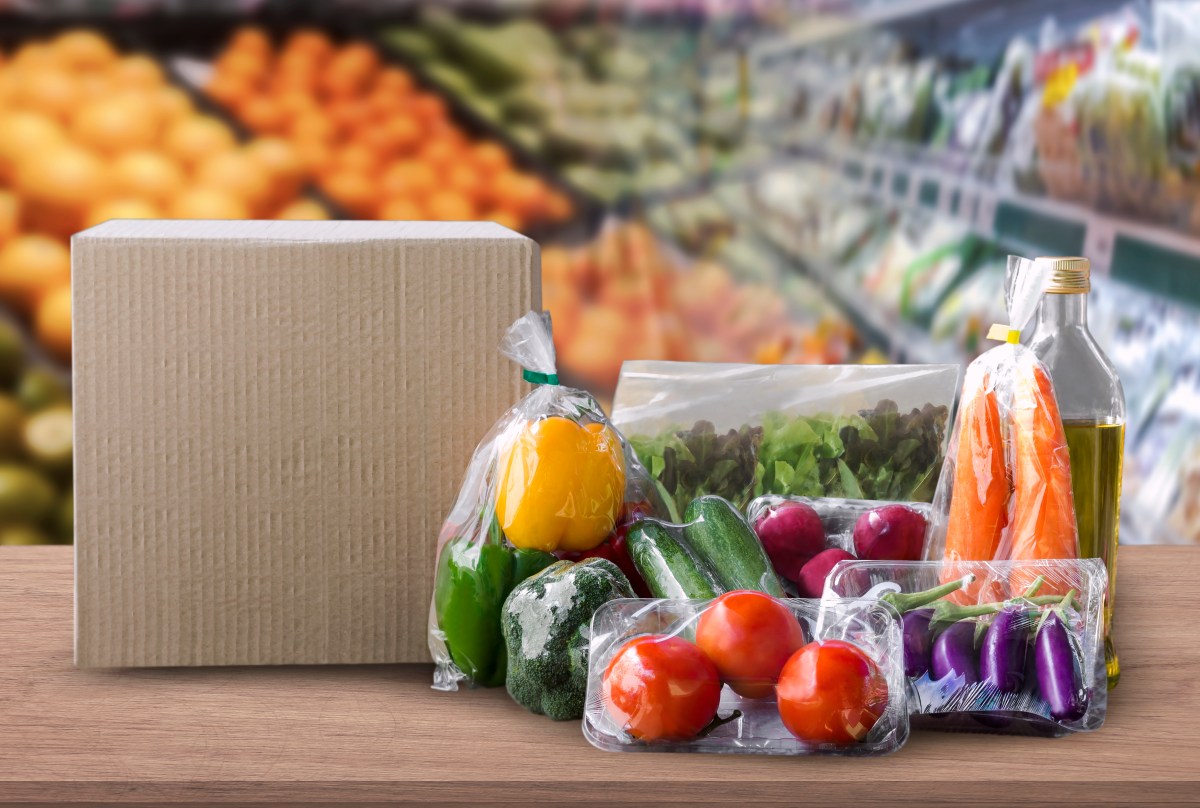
661,687
749,636
831,692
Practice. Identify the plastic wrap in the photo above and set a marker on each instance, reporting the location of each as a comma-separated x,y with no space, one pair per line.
798,534
1005,491
741,431
551,476
704,714
1023,656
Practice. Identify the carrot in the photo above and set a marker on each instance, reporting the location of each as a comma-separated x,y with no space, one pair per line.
979,498
1043,507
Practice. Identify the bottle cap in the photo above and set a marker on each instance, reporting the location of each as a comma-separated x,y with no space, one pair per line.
1072,275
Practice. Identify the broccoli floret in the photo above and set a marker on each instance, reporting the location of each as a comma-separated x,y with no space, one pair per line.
547,627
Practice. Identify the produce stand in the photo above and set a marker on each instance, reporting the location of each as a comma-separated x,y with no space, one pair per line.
379,735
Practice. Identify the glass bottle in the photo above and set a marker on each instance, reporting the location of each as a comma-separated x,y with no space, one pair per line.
1092,405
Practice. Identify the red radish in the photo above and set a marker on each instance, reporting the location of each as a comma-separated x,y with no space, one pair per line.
811,582
890,533
791,533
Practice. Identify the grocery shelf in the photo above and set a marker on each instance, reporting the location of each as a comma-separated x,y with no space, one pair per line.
1031,224
901,341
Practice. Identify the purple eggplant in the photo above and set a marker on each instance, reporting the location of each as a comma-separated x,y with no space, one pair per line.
1002,657
918,642
1058,673
954,652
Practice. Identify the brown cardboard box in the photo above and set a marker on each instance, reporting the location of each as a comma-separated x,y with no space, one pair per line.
271,423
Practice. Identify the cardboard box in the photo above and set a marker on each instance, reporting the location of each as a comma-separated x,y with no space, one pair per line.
271,422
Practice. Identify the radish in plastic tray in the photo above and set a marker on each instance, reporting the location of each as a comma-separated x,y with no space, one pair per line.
806,536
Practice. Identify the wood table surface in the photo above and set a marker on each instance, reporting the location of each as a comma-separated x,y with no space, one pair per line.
377,735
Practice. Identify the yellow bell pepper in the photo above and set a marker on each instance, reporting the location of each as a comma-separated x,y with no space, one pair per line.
562,485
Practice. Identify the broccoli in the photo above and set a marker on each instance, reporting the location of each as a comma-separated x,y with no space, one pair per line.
546,625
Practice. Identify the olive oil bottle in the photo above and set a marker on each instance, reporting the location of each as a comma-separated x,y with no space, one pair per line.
1092,405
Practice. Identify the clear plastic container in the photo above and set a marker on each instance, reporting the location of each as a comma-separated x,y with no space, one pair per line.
1017,648
792,541
742,725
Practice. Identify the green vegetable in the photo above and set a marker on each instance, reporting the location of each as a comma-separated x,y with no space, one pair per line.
874,454
686,463
668,568
473,579
723,540
546,625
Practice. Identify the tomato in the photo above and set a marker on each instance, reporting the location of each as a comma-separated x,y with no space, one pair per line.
831,692
749,636
661,687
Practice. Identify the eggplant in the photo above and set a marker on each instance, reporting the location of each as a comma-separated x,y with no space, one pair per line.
954,651
1002,657
1058,673
918,642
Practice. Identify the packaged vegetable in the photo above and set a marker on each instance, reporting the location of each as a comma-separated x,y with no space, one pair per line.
738,675
804,537
1005,491
546,625
1023,656
741,431
713,551
552,476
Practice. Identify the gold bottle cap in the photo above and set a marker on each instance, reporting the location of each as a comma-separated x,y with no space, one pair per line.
1072,275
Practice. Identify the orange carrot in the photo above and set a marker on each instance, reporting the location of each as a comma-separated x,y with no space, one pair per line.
1043,507
979,498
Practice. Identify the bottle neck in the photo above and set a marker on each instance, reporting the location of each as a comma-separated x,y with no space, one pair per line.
1063,311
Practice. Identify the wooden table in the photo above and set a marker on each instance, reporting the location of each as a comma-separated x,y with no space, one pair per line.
379,735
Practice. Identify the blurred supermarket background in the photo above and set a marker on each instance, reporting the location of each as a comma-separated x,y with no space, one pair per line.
814,181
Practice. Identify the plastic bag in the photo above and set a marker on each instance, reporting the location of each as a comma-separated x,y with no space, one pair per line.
798,532
1005,491
741,431
1024,656
687,708
552,476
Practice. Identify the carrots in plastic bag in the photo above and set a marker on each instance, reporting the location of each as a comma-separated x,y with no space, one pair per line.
979,500
1043,507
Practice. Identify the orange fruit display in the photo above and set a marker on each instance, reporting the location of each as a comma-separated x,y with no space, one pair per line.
192,139
306,209
10,216
58,184
239,174
54,92
114,124
29,266
208,203
83,49
129,208
22,133
147,175
52,321
359,127
89,134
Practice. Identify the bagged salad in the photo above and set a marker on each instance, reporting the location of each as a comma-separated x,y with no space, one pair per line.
1005,491
544,495
1024,655
742,431
736,675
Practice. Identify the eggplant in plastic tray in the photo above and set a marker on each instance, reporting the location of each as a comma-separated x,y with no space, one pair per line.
1004,647
744,725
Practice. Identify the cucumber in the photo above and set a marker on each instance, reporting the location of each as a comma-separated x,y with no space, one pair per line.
667,567
722,540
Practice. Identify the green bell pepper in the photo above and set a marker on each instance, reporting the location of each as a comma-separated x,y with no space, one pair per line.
473,580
